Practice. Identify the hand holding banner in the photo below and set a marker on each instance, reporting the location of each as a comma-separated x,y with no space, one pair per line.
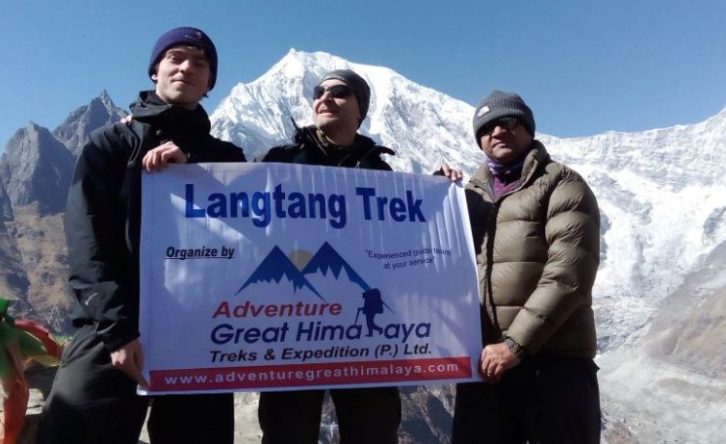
278,276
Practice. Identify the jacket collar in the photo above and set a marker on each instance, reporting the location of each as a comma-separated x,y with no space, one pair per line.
362,148
537,157
149,108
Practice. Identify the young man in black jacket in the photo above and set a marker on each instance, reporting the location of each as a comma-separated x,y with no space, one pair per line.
93,399
365,415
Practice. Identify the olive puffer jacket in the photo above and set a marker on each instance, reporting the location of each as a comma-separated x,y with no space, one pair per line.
537,256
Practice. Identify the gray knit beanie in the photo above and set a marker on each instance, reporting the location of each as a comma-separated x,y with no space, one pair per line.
189,37
359,86
502,104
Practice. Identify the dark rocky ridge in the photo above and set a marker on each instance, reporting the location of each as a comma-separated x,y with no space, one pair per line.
6,209
35,174
36,167
74,131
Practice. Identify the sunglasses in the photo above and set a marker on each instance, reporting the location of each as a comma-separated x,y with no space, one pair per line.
507,123
337,91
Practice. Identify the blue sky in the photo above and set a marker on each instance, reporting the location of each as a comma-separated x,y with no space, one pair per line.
585,67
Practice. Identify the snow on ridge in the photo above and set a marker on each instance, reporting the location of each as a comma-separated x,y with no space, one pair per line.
660,201
675,156
414,120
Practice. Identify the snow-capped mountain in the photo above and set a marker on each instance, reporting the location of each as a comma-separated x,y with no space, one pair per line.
660,191
661,195
424,126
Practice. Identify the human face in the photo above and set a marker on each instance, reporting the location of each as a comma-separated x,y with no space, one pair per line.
336,114
506,141
182,76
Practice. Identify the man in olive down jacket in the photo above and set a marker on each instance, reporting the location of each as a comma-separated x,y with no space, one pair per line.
535,225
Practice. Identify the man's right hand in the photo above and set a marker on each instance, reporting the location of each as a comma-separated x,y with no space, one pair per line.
495,360
130,360
158,158
453,174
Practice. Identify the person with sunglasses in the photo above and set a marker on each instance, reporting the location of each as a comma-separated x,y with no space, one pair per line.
340,103
536,230
365,415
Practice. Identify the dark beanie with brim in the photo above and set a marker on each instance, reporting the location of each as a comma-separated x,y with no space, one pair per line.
186,36
359,86
500,104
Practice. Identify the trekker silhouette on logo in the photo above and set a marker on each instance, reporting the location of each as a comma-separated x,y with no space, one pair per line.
372,305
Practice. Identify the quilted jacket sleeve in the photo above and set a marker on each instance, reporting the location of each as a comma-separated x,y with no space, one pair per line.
572,233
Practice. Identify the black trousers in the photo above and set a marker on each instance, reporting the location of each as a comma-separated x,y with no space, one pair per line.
542,400
365,416
92,402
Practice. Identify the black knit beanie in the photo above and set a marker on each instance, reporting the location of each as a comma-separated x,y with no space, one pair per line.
359,86
502,104
186,36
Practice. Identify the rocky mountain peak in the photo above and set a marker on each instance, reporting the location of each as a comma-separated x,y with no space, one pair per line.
106,99
74,131
36,167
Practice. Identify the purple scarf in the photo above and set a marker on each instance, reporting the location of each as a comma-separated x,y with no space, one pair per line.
506,177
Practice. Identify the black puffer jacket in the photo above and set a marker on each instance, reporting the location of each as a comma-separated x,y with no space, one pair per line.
103,214
308,149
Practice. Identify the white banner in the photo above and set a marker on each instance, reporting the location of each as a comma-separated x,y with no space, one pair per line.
277,276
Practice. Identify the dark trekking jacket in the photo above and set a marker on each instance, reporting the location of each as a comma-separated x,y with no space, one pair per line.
308,149
103,214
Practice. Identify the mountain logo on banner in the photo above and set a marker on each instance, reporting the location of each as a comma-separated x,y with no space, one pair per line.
275,267
325,271
328,260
